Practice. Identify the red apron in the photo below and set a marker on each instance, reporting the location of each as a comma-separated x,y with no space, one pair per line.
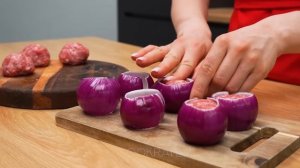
247,12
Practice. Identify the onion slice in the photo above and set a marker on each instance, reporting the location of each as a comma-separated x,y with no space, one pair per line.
141,109
130,81
202,121
175,92
98,95
241,108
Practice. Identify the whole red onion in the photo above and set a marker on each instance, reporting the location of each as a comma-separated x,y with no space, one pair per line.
202,121
130,81
241,107
98,95
175,92
141,109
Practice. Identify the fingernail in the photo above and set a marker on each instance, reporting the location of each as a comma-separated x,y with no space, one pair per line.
134,54
156,69
140,59
169,78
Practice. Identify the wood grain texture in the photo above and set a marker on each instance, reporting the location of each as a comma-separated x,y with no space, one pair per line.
165,143
52,87
29,138
219,15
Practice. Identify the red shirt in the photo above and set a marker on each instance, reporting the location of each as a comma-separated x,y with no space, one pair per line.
265,4
247,12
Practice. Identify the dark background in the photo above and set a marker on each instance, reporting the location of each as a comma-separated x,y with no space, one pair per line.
149,22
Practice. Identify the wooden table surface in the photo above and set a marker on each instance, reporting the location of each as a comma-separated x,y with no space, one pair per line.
30,138
219,15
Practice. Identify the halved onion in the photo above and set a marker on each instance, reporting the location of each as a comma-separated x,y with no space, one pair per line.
202,121
130,81
241,107
98,95
141,109
175,92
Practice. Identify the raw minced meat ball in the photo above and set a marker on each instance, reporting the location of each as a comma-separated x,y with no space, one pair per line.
73,54
17,64
38,53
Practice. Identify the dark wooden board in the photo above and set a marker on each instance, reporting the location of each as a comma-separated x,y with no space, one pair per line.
258,147
52,87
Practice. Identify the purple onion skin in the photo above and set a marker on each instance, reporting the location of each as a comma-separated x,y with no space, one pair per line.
130,82
242,113
98,96
201,127
175,94
142,112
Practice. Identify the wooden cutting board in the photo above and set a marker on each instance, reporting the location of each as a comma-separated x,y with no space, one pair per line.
258,147
52,87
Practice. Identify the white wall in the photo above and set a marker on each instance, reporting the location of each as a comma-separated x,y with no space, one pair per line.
47,19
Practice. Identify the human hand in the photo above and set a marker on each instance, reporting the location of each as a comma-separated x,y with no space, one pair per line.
191,45
238,60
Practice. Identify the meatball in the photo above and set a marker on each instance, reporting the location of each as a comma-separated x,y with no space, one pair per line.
38,53
73,54
17,64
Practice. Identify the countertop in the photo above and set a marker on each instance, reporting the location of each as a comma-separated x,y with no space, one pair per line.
219,15
30,138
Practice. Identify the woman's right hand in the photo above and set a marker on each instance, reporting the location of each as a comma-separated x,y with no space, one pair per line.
183,54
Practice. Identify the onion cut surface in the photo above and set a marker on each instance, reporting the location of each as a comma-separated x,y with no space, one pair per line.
174,92
142,109
130,81
202,121
241,108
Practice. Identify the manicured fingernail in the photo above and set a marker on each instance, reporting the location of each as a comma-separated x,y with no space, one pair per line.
141,59
169,78
134,54
156,69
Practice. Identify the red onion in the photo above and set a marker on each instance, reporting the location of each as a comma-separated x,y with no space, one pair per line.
241,107
202,121
98,95
130,81
175,92
141,109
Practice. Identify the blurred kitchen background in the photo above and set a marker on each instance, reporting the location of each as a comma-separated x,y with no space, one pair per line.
139,22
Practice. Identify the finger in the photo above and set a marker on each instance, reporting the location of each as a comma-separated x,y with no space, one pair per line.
196,72
208,67
251,81
225,72
241,74
170,61
153,56
258,74
190,60
142,51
